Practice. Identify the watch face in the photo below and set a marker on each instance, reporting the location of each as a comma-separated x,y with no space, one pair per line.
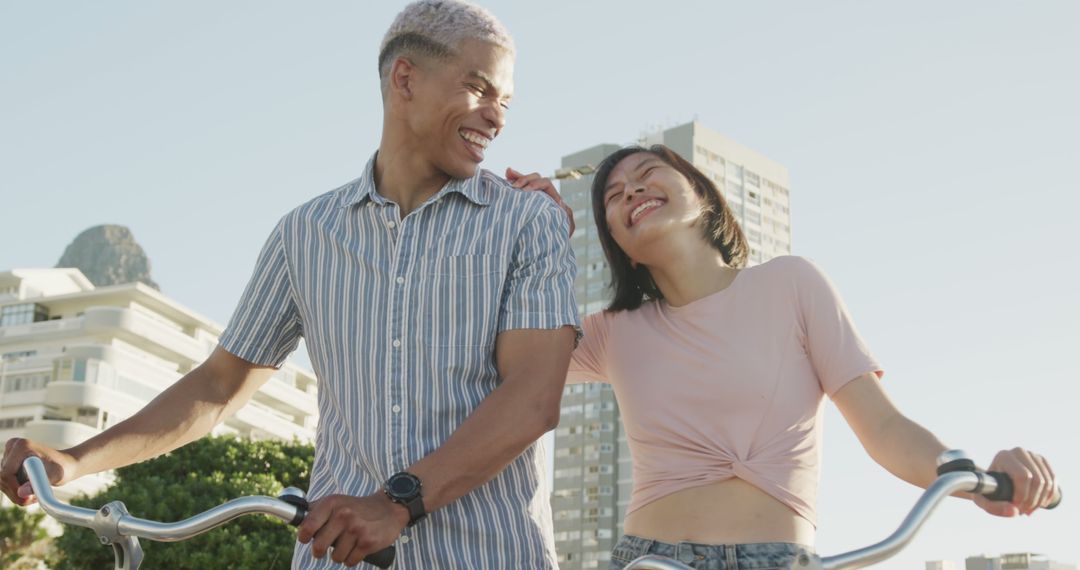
402,485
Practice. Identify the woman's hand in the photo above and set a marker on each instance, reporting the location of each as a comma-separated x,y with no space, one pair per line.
1033,483
535,181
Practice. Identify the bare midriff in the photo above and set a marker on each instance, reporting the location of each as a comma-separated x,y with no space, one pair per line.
727,512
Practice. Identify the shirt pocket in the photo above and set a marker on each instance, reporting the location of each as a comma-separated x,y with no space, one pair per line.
462,295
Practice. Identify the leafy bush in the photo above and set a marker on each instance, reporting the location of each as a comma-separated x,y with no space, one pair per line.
18,530
188,481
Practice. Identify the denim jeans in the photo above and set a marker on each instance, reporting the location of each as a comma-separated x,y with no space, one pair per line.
760,556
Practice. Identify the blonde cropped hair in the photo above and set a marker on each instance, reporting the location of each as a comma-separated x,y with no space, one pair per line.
435,29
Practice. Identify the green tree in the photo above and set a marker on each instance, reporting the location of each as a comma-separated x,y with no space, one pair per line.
188,481
18,530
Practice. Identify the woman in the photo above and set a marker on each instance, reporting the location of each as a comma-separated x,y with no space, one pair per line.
720,372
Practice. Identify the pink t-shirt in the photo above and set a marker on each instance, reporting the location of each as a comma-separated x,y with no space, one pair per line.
729,385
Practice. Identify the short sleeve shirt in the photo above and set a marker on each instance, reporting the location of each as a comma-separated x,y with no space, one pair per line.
400,318
730,385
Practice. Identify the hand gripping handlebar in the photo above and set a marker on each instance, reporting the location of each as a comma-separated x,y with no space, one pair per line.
115,526
957,474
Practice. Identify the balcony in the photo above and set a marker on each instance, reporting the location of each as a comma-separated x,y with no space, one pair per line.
145,333
62,327
258,417
26,398
79,394
288,398
131,326
59,434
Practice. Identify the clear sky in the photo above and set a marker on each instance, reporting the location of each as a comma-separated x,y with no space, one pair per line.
932,148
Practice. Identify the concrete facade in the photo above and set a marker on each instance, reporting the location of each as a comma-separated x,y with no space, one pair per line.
76,359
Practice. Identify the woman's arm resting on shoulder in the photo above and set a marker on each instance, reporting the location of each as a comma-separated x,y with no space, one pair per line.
537,181
910,451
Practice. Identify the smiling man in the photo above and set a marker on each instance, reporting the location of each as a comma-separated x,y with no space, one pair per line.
437,306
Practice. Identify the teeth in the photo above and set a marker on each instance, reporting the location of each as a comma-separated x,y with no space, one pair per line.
474,138
642,207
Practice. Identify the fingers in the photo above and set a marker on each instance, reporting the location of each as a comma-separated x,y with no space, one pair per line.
534,181
1051,478
15,452
1033,480
326,536
361,549
318,513
996,508
347,528
342,546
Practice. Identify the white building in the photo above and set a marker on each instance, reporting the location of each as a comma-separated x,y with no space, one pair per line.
592,472
76,359
940,565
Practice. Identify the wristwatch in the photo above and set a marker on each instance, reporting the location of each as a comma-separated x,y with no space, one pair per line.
404,489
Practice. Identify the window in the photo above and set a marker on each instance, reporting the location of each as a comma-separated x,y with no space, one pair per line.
25,382
23,313
734,172
14,423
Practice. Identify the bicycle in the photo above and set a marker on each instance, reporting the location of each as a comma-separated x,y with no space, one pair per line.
956,473
116,527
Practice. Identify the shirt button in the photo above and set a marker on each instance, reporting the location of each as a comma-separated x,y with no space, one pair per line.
391,224
396,343
400,280
396,408
370,204
404,539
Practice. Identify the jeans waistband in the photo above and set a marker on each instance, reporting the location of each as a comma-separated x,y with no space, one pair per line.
748,556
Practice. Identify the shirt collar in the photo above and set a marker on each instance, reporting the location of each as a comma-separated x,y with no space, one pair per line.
473,188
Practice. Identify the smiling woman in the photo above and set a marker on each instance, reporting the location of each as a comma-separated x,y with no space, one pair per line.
721,372
632,282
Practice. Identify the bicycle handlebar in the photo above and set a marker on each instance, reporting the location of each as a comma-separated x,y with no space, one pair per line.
115,526
993,485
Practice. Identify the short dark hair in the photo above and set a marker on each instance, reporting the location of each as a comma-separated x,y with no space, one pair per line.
633,286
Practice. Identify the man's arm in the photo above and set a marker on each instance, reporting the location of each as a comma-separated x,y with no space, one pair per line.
532,365
184,412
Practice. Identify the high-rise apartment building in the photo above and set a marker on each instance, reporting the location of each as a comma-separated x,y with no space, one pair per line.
592,469
76,359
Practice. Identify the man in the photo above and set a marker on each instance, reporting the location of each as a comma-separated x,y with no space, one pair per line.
437,305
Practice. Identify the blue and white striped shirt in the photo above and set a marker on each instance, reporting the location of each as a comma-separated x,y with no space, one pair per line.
400,318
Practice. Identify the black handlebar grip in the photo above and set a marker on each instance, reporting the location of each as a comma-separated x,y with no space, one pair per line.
1004,490
383,558
301,505
21,476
